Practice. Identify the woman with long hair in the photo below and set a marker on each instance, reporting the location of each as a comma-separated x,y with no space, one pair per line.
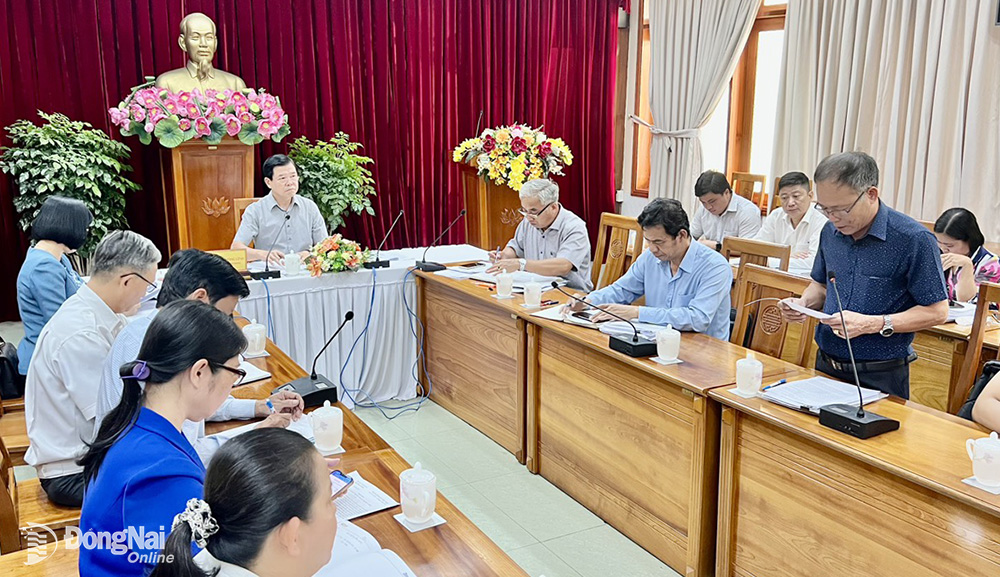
965,260
267,510
141,470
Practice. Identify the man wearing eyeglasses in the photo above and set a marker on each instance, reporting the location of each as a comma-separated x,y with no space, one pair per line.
796,223
283,219
549,241
193,275
60,395
887,268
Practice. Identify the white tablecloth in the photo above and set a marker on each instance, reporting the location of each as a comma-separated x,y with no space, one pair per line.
305,311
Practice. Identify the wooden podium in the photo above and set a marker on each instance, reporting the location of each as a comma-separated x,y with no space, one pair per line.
492,211
200,182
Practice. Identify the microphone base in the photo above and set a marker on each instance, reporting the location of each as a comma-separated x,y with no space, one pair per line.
641,348
376,264
265,274
314,391
425,266
844,418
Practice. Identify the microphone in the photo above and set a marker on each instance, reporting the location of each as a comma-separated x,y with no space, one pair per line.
845,417
316,389
267,272
422,264
638,346
383,263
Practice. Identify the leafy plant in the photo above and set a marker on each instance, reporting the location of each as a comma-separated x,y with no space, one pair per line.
71,159
334,177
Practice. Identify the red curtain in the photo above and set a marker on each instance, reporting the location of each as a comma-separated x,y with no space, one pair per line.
409,79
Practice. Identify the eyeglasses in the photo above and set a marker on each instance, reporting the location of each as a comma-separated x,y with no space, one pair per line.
239,372
151,284
840,212
530,214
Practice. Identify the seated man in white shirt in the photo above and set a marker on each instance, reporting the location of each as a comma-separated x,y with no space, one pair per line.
194,275
721,213
796,223
61,391
282,222
550,240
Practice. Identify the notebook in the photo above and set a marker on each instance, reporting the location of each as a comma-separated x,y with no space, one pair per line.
357,552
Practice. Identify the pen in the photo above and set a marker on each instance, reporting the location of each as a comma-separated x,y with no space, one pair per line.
270,405
488,287
781,382
549,302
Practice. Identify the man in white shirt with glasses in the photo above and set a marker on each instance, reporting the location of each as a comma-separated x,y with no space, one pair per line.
549,241
796,223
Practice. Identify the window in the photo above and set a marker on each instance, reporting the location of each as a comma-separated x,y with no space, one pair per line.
739,135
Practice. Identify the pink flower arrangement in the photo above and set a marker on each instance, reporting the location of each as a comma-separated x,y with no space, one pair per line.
334,254
174,118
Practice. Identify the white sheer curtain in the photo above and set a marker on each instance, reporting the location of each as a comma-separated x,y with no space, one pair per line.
694,48
912,82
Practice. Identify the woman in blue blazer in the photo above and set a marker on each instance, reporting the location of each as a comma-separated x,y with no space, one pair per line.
47,278
141,470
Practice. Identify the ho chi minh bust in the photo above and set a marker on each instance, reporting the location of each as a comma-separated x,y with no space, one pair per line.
198,40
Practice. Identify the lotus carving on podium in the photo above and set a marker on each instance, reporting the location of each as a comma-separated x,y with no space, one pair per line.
215,207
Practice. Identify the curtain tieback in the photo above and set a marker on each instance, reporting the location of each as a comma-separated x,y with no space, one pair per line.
686,133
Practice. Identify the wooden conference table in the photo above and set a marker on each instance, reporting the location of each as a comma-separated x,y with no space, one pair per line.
455,549
638,444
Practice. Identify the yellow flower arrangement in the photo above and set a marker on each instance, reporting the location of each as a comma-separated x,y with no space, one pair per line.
512,155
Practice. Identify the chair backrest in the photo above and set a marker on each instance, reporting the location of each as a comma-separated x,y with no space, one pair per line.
614,251
240,205
927,223
746,184
759,325
756,251
958,391
775,201
10,533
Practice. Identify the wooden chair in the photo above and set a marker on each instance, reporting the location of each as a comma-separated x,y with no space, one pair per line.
756,251
614,251
746,185
927,223
759,325
958,391
23,505
14,433
240,206
775,201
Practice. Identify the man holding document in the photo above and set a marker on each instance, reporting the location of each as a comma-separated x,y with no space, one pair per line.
686,284
887,268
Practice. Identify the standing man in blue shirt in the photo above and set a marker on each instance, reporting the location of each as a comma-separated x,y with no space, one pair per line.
686,284
887,268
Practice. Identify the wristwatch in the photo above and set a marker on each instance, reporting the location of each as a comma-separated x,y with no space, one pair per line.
521,264
886,326
718,246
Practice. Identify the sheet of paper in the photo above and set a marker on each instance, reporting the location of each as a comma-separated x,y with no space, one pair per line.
808,312
382,563
449,273
521,279
813,393
623,329
303,427
254,373
552,313
960,311
362,499
352,540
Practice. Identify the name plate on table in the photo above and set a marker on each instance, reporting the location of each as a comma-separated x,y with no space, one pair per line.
237,258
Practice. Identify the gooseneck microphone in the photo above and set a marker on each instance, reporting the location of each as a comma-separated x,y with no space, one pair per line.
422,264
383,263
638,346
845,417
315,388
267,272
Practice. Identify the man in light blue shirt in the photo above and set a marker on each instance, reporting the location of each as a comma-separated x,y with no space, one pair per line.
686,284
193,275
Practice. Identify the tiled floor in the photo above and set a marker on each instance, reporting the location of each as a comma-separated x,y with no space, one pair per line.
540,527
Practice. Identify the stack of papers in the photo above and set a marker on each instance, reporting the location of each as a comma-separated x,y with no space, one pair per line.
357,552
811,394
521,279
361,499
303,427
960,310
623,329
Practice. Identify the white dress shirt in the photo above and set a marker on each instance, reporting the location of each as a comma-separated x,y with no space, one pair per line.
60,396
778,229
297,229
741,219
126,349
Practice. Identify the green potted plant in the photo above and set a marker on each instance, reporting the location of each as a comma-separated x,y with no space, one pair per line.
71,159
334,177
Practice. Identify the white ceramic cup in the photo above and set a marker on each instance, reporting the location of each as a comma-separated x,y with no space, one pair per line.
985,455
328,427
533,295
293,264
256,335
668,344
505,285
417,494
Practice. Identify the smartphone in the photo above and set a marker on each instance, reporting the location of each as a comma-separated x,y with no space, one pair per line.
587,315
340,483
